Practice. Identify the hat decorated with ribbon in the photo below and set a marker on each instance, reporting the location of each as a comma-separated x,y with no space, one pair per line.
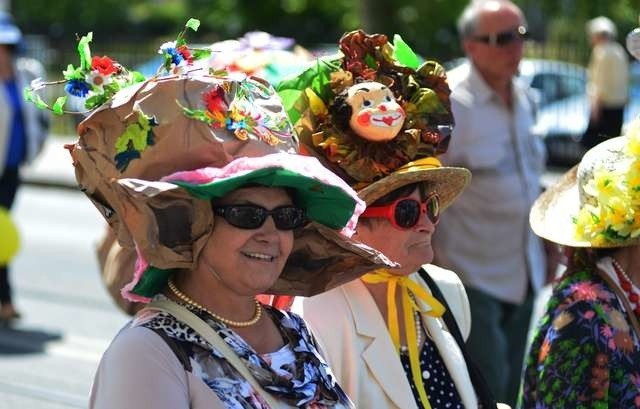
157,152
596,204
377,116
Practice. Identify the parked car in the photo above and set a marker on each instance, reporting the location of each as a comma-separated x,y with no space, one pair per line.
559,90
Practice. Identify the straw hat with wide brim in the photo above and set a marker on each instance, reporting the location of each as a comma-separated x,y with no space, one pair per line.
554,213
448,182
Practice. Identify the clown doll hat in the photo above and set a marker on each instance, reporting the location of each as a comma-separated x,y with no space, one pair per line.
154,152
376,116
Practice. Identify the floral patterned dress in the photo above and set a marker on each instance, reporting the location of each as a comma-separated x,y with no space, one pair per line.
301,379
585,353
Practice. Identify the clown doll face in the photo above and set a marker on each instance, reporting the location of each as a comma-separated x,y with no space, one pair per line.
376,116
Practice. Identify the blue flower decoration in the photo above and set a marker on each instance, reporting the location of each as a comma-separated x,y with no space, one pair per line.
176,57
78,88
233,125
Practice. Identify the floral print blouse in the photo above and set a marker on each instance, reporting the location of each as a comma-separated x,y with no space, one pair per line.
585,353
305,381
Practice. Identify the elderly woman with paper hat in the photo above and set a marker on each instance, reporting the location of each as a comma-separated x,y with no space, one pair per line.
200,174
586,352
378,117
256,54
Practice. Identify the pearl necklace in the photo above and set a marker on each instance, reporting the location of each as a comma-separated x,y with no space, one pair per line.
418,319
191,303
404,348
627,285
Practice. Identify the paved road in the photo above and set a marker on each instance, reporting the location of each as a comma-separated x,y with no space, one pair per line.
48,360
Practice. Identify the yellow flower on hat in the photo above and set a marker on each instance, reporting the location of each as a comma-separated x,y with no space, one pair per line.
633,181
633,143
617,215
604,185
589,223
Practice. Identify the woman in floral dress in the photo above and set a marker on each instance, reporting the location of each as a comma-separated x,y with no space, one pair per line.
586,352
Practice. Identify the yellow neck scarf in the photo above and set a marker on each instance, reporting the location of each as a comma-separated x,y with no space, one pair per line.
409,306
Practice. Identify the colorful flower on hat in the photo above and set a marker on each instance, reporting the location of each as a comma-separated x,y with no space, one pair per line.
102,69
97,79
104,65
611,214
240,115
77,88
176,56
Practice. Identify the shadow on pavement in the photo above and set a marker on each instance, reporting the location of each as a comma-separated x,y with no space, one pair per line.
20,341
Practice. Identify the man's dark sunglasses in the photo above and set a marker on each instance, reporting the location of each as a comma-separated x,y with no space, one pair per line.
248,216
503,38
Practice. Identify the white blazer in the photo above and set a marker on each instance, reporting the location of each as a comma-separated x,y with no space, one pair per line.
354,338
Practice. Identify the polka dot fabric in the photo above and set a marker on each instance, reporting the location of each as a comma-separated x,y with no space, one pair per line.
437,381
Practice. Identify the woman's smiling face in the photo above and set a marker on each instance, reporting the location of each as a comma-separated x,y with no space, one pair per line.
249,261
376,116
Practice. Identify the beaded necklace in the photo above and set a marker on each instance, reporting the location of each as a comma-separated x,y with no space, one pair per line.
630,289
404,348
190,302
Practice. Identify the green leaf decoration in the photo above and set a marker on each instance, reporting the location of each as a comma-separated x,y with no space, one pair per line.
289,98
218,73
85,52
200,53
136,77
30,96
404,54
193,24
134,140
135,135
371,61
58,106
72,73
317,77
39,102
95,101
27,94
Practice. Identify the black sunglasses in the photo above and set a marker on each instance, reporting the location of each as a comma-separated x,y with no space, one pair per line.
248,216
503,38
404,213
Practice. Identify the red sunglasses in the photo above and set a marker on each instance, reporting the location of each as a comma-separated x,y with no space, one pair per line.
404,213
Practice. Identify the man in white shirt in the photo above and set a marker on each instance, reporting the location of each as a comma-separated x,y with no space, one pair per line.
608,85
485,235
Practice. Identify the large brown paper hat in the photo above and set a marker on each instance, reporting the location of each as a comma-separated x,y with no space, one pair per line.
374,169
153,157
595,204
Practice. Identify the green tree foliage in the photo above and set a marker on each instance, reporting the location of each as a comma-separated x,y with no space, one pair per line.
427,25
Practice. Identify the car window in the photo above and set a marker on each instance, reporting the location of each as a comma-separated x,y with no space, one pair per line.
571,85
548,87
